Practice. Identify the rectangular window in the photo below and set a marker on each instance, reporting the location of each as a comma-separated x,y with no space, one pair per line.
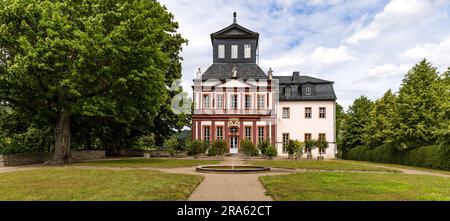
260,134
219,101
308,90
248,133
285,141
307,136
247,51
286,112
234,51
248,101
206,102
206,133
322,112
219,133
234,102
308,112
322,137
260,101
221,51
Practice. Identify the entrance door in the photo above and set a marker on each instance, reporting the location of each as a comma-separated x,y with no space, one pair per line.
233,144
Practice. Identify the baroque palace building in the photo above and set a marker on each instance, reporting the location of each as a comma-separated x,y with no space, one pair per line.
234,99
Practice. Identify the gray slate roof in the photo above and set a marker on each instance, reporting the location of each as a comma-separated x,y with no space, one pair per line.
223,71
299,79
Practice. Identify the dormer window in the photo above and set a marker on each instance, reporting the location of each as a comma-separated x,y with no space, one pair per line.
234,51
221,51
287,91
308,90
247,51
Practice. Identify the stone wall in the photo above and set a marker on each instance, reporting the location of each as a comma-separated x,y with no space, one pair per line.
24,159
35,158
88,155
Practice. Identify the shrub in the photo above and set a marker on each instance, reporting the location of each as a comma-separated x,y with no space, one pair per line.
292,147
171,144
429,156
263,146
31,141
310,145
146,142
271,151
248,148
195,147
322,145
218,147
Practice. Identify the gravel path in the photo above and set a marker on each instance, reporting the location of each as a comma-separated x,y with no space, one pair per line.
227,187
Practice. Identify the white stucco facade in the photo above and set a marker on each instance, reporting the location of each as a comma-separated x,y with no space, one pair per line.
297,125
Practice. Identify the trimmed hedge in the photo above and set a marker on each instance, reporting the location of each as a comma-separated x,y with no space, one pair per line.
437,157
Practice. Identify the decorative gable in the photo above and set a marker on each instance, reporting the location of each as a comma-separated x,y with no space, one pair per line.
236,84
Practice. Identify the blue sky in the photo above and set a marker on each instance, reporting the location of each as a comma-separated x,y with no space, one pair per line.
364,46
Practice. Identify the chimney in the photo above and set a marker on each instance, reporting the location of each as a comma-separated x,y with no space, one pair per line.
296,76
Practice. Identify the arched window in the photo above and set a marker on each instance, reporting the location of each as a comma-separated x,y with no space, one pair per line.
287,91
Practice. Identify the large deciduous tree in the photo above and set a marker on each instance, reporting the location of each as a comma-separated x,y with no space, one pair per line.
101,59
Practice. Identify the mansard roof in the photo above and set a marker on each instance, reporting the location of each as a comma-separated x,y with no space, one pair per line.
223,71
320,89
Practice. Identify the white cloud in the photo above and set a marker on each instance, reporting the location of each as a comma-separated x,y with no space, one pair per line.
396,13
328,56
365,47
438,53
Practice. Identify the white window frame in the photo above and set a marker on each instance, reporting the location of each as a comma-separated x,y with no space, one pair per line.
261,134
322,110
287,91
219,136
234,51
219,101
206,102
308,90
221,51
207,133
261,102
248,135
308,110
285,141
286,113
248,51
249,101
234,107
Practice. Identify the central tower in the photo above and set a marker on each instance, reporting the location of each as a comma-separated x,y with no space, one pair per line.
234,44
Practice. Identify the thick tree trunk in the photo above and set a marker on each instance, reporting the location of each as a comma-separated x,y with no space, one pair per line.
62,139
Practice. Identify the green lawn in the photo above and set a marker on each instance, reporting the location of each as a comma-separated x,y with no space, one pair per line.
95,184
144,162
401,166
319,165
332,186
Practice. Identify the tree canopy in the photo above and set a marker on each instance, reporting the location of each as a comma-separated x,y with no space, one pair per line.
67,62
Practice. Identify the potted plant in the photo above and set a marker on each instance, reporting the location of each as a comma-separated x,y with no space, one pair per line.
309,146
292,148
195,147
248,149
322,145
271,152
218,148
299,153
263,146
